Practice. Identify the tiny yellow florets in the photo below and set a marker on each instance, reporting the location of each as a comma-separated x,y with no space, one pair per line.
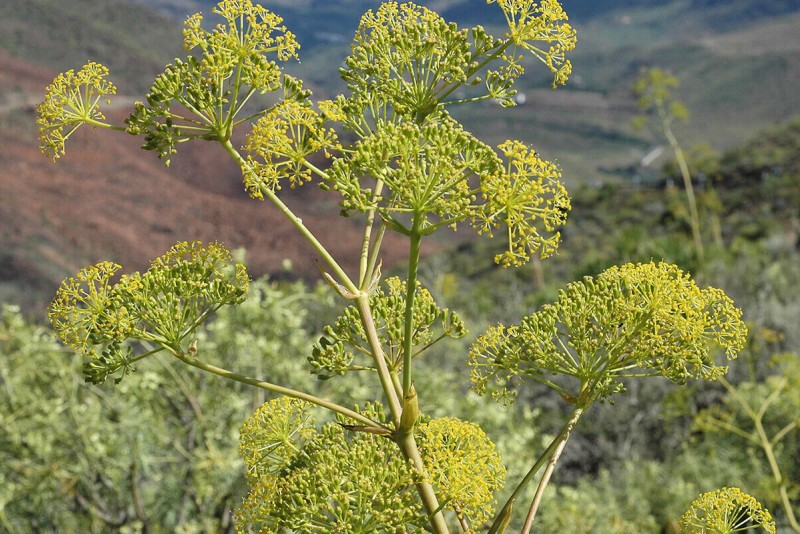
726,511
70,101
182,288
283,139
464,466
528,198
634,320
530,22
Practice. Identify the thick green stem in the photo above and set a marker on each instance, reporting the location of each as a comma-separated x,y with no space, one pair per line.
406,442
225,373
429,501
415,239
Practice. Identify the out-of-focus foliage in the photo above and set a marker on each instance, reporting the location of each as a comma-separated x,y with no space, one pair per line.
159,449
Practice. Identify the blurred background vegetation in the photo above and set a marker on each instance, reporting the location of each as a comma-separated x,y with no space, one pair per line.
159,452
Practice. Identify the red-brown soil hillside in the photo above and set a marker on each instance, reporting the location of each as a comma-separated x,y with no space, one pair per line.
107,199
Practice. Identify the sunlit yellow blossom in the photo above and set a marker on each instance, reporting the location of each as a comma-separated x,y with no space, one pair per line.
634,320
71,100
464,467
726,511
532,22
201,96
344,344
528,199
283,139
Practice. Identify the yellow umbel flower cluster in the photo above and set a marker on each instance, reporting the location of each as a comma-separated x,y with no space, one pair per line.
71,100
542,22
528,198
726,511
282,140
327,481
464,467
181,289
629,321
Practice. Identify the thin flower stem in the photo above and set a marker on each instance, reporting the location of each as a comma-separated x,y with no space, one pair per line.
297,222
225,373
96,123
766,446
548,452
687,180
385,376
551,466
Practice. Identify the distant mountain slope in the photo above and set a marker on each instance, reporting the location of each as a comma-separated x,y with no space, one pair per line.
108,200
739,66
133,41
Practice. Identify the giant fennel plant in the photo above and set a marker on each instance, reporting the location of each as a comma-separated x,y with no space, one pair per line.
400,162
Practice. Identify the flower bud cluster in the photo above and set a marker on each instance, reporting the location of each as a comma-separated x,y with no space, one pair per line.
180,290
335,353
329,480
634,320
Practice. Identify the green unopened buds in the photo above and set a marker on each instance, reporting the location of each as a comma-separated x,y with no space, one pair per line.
630,321
181,289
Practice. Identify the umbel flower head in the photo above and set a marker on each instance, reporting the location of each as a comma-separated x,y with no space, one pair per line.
541,22
410,59
630,321
181,289
71,100
308,481
334,354
406,55
440,175
280,142
200,97
464,466
726,511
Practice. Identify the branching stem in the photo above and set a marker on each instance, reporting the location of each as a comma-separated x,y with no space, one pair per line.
288,392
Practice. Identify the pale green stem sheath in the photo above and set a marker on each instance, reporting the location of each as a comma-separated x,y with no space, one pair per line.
554,448
297,222
385,376
415,239
365,273
288,392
